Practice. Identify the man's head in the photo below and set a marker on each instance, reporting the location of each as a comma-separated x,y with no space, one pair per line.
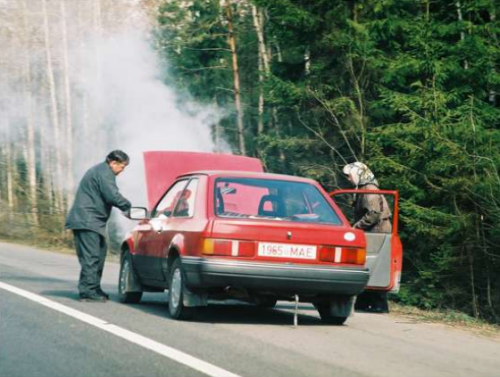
117,161
359,174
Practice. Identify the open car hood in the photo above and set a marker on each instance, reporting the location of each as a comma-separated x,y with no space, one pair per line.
162,168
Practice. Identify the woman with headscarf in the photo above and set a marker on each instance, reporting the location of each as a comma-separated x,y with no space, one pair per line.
371,211
371,214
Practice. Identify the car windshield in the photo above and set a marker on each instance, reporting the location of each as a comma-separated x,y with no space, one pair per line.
272,199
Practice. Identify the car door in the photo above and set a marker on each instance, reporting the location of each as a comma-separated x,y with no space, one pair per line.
176,226
384,250
154,236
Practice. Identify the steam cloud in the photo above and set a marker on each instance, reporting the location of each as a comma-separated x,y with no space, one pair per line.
122,77
139,111
117,98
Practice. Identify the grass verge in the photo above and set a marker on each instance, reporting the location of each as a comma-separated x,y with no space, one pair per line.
451,318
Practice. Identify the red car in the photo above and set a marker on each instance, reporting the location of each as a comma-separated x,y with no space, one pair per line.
237,232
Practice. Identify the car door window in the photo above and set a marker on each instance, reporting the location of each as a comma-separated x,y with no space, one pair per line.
167,204
185,204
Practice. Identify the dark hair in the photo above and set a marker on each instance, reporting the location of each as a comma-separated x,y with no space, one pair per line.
118,156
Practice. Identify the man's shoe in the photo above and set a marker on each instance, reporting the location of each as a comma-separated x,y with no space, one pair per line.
100,292
94,297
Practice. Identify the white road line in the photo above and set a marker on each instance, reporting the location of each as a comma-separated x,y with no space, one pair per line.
162,349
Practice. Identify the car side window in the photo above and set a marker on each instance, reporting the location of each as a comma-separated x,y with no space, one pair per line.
166,205
185,204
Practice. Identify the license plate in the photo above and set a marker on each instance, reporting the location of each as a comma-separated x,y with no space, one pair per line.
280,250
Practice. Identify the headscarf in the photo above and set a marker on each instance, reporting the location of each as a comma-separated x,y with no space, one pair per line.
360,173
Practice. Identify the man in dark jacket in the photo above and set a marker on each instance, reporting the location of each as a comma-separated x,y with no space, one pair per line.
97,194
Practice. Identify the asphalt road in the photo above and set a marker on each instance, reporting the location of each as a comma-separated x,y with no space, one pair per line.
46,331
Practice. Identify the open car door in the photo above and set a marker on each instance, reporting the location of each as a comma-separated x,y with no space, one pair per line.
384,251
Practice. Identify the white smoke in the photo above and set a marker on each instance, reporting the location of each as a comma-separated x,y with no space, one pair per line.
138,112
132,109
104,89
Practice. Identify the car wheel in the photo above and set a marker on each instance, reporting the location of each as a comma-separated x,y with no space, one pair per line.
326,317
176,293
126,274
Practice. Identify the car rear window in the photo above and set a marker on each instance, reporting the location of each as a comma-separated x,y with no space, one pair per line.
272,199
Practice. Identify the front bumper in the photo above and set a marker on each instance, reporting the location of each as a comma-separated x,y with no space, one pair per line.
274,278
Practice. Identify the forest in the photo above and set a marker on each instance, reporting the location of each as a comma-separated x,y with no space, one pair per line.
409,87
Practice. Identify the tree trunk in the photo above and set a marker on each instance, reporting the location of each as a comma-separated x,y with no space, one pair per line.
10,172
263,65
30,129
46,161
359,93
492,97
69,112
462,33
475,308
97,134
307,61
236,77
59,204
258,20
278,134
83,128
217,131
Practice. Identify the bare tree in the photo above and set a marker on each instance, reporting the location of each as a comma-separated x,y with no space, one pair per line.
54,106
236,76
69,112
263,65
30,126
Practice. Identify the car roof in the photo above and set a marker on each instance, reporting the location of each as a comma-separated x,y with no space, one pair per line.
246,174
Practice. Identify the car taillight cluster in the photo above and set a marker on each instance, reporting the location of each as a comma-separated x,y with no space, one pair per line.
238,248
235,248
345,255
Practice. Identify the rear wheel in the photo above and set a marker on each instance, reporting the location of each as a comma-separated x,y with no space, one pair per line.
176,293
127,274
372,302
327,317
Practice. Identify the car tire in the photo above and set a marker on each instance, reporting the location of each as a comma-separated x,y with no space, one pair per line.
176,291
324,312
372,302
127,272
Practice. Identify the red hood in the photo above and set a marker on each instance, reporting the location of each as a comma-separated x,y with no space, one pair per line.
162,168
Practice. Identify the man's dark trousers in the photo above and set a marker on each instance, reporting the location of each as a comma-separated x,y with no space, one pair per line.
91,249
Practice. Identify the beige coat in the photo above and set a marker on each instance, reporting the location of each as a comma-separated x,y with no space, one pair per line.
372,212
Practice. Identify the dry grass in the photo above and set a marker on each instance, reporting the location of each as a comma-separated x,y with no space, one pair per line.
448,317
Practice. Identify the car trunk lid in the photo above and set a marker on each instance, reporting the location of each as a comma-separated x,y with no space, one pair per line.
292,242
163,167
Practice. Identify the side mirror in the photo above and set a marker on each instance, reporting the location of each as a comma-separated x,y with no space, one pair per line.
138,213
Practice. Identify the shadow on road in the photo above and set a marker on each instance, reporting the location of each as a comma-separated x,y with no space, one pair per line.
71,294
231,312
246,314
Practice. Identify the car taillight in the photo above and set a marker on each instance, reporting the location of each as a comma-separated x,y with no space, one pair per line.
345,255
235,248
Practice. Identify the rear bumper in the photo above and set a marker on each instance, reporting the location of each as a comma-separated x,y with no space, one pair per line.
274,278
